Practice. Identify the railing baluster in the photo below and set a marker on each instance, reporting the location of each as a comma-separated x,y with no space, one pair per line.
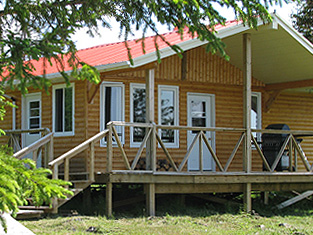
143,143
303,157
275,163
267,166
169,157
182,164
214,156
120,146
92,162
231,157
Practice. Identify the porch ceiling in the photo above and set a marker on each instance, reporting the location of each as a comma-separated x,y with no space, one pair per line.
278,54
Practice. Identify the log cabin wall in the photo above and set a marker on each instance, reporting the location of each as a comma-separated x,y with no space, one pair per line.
204,73
61,144
296,110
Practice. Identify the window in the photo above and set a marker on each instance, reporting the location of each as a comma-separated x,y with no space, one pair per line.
168,114
137,112
256,114
63,110
111,107
34,115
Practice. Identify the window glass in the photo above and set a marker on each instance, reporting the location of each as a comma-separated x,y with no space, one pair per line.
34,114
256,115
168,114
58,110
139,112
112,107
63,109
68,109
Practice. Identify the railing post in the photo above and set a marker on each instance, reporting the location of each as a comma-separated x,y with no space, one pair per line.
50,149
150,146
35,156
55,175
109,148
290,155
92,162
66,170
247,77
201,152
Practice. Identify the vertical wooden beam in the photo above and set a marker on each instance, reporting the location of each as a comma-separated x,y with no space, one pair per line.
67,170
92,162
109,199
109,148
150,147
184,66
150,199
290,156
201,152
55,175
247,77
266,197
247,203
51,153
151,143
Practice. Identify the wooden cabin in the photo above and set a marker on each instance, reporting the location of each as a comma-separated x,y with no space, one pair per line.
190,125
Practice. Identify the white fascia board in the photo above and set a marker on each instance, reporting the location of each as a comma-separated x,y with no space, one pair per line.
294,33
191,44
100,68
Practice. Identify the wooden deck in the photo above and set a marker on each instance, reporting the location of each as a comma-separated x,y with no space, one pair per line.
166,182
180,180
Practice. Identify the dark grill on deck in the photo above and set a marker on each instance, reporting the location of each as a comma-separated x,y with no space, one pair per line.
271,145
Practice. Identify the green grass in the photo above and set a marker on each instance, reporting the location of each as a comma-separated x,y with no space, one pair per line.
194,217
170,224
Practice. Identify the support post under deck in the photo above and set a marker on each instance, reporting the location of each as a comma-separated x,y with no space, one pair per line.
151,144
247,76
150,199
109,199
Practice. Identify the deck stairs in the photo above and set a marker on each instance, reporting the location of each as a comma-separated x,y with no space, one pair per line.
31,211
80,181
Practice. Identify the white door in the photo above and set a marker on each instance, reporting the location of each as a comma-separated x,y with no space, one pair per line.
201,112
31,119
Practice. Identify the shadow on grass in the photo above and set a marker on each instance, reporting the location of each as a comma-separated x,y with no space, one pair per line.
92,202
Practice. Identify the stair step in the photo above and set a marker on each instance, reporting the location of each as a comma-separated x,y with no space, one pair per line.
34,207
81,184
29,214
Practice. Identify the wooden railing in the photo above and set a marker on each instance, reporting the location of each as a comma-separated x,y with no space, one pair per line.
65,158
291,145
152,131
34,148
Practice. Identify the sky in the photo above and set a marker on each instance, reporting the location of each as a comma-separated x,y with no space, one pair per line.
83,40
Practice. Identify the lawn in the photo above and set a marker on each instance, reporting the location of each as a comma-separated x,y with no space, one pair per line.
194,216
170,224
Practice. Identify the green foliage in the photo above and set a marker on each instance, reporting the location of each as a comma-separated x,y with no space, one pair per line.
34,29
20,180
303,19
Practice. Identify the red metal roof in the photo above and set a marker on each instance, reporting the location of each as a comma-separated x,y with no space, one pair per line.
117,52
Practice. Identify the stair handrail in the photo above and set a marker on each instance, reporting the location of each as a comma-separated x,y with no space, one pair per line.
35,148
64,158
15,136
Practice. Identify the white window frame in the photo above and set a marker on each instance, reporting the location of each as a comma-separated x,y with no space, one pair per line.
63,133
105,84
175,89
259,112
132,87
